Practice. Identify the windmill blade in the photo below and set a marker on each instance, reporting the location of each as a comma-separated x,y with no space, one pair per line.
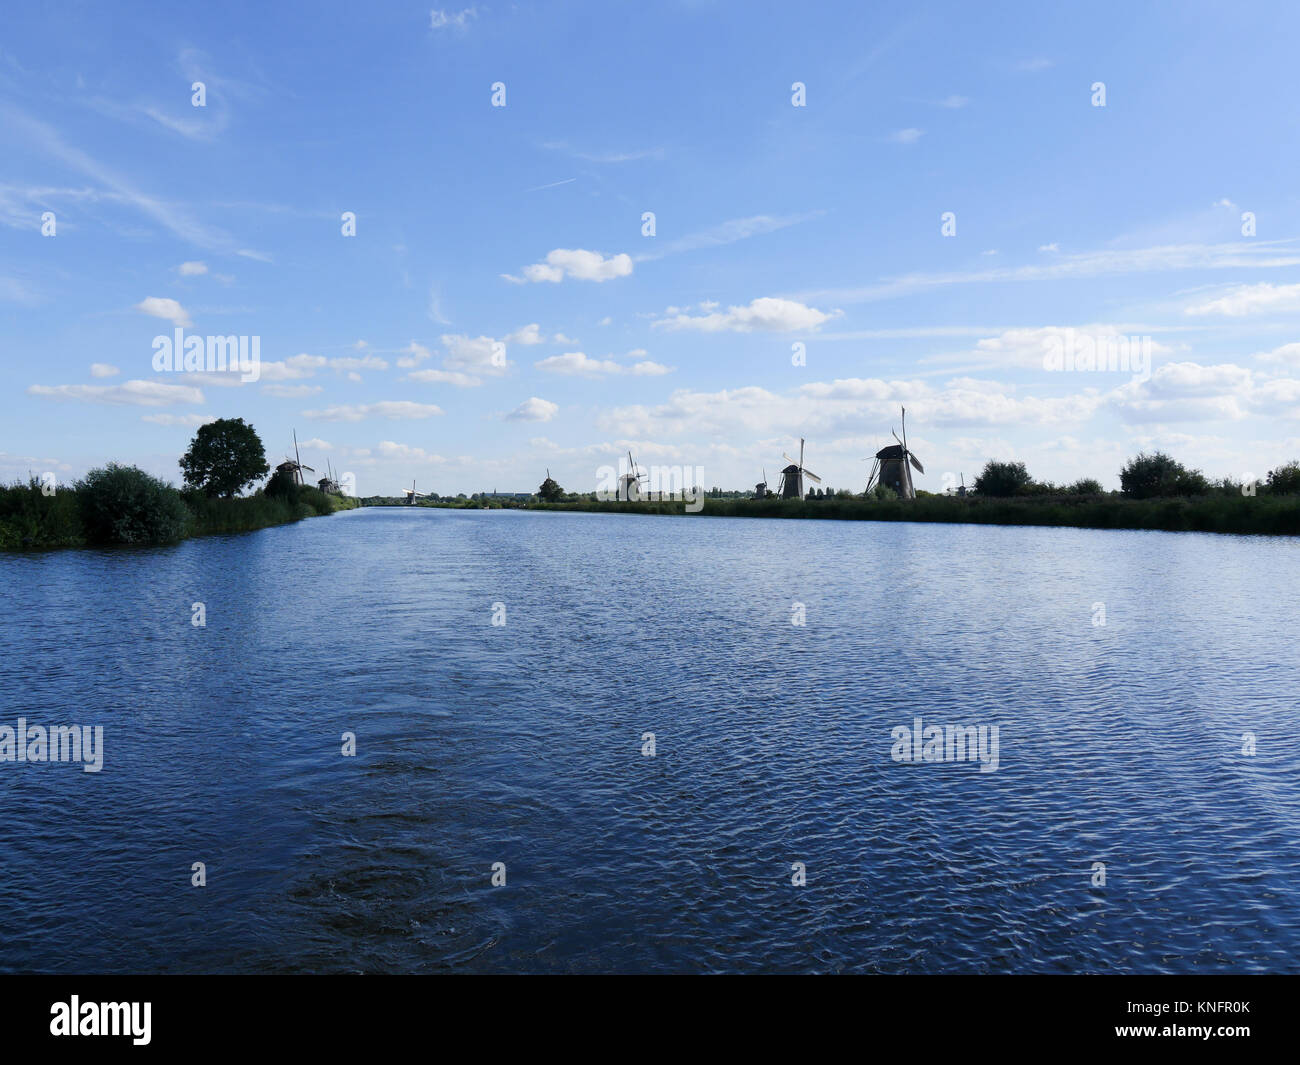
915,462
895,436
789,459
812,476
307,468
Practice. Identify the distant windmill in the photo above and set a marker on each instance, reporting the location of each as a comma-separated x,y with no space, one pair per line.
891,466
792,476
411,494
629,485
294,465
760,489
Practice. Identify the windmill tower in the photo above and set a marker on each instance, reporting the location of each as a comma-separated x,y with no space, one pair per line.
792,476
893,464
629,485
760,489
294,465
412,495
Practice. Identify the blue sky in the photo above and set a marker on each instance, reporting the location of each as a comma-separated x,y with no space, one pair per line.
775,225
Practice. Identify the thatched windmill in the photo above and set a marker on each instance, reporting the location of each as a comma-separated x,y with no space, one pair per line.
412,495
792,476
892,464
629,485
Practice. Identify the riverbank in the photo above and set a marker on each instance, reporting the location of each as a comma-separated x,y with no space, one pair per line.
31,520
1262,515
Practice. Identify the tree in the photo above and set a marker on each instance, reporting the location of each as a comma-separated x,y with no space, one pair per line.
1003,479
1285,480
1086,486
225,457
1150,476
550,491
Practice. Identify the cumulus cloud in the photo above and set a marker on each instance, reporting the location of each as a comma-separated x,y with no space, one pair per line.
577,364
1243,300
534,410
190,420
395,410
445,377
164,307
129,393
103,369
575,263
766,314
479,355
527,335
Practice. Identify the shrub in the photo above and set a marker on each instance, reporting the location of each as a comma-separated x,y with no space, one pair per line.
125,505
1158,475
1003,479
1085,486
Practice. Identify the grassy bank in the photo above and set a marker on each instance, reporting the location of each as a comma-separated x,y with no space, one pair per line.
87,515
1273,515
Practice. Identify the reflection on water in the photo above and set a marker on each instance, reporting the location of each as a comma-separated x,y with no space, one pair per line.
522,744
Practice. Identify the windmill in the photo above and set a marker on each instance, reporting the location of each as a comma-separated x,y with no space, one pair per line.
412,495
294,465
329,483
760,489
629,485
792,476
892,463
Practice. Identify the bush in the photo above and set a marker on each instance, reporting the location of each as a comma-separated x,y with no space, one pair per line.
1003,479
1085,486
1285,480
31,518
125,505
1158,475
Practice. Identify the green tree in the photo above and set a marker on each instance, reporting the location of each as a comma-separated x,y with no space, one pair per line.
1085,486
1003,479
550,491
1285,480
225,457
1150,476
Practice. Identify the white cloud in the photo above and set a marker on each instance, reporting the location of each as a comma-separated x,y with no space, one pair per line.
575,363
291,391
954,102
395,410
1250,299
907,136
179,419
534,410
413,354
129,393
163,307
526,334
1049,247
103,369
192,269
440,18
445,377
578,264
480,355
766,314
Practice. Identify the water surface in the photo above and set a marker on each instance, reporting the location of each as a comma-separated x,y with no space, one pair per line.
522,744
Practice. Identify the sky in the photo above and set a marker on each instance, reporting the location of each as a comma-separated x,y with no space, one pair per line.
697,231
